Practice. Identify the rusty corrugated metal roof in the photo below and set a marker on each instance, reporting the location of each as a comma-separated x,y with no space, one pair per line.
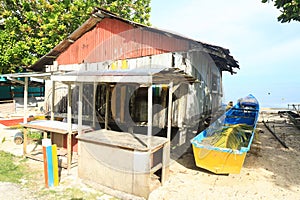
220,55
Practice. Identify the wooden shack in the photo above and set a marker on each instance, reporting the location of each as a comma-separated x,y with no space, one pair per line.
106,41
126,80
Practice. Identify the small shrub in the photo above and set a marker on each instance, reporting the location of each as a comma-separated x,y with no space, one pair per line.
34,135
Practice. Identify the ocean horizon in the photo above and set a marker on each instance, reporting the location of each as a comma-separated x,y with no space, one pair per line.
269,102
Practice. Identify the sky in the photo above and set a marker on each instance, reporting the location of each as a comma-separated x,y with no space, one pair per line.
268,51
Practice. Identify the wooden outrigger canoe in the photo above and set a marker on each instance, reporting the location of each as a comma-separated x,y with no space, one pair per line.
227,156
294,117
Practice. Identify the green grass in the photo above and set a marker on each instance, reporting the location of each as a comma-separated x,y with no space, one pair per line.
72,193
14,169
10,169
76,193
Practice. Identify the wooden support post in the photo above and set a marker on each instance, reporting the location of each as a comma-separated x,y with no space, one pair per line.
163,112
69,149
170,111
45,134
166,148
114,102
94,104
150,94
165,162
122,101
107,106
52,100
25,130
80,93
25,100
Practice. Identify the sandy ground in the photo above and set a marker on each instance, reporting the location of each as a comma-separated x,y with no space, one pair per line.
270,171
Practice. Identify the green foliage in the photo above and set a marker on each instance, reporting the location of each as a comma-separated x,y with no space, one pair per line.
9,171
290,9
31,28
35,135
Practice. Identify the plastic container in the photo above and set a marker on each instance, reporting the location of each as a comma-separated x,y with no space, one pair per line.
18,138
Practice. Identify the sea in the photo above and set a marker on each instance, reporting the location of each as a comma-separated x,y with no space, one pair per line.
270,101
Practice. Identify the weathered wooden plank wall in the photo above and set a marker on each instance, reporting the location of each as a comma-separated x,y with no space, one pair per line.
191,102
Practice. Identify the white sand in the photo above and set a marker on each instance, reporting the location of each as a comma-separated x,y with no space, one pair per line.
270,171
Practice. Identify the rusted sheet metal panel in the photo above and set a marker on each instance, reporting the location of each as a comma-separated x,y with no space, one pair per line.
112,39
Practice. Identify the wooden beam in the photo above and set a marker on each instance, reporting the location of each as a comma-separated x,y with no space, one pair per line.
25,131
16,80
123,104
69,149
114,102
104,79
25,100
150,94
94,104
52,100
45,134
80,91
165,162
106,105
170,111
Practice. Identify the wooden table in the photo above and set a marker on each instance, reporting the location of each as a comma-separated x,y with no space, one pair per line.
53,127
124,161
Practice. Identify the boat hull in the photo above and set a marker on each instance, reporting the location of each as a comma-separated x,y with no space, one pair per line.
218,162
225,160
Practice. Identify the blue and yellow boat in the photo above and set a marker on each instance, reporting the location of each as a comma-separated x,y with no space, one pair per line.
222,147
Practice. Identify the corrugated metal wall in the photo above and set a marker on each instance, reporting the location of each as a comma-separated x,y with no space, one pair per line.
113,39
